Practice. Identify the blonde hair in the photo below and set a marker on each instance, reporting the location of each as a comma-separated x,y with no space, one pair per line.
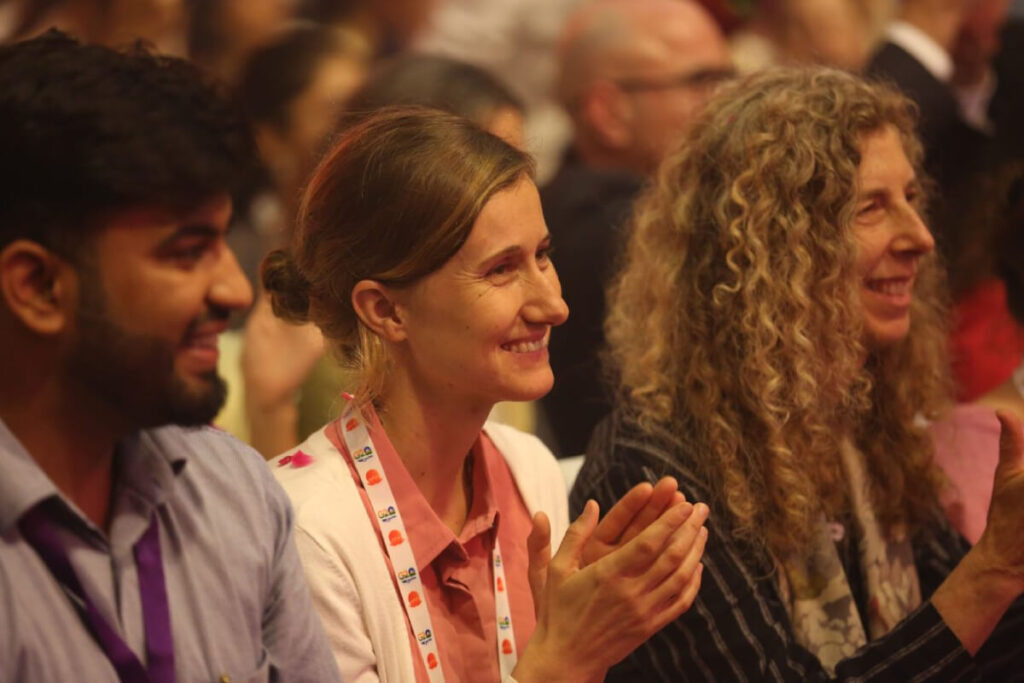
392,201
737,319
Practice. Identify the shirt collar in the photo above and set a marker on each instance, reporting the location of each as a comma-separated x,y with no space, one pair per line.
428,535
483,512
922,47
22,482
151,461
147,467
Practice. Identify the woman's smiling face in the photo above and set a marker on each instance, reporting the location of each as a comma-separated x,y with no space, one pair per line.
891,237
478,327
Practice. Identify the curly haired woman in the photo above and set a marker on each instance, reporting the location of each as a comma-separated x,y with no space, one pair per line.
776,337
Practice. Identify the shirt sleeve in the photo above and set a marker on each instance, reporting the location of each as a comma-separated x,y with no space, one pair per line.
738,628
292,632
1001,658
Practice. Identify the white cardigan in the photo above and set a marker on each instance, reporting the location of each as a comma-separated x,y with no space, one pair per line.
348,578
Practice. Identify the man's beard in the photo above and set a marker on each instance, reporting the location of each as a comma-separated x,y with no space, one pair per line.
134,373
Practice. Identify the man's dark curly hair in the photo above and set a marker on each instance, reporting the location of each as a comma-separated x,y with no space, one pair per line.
86,130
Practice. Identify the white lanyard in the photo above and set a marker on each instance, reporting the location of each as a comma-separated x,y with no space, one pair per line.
396,542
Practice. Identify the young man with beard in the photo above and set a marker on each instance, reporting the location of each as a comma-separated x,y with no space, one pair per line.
136,544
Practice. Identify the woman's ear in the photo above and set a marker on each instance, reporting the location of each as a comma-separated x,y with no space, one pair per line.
37,286
375,305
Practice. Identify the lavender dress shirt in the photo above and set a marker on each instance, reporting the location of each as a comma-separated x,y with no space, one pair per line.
240,609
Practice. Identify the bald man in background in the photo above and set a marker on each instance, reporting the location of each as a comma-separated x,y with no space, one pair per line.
634,76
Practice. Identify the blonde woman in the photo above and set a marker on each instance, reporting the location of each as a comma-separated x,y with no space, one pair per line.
424,531
776,334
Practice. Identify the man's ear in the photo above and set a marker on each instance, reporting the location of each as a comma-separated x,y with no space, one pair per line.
610,114
376,306
37,286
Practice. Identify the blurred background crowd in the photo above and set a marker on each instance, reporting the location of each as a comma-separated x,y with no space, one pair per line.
597,91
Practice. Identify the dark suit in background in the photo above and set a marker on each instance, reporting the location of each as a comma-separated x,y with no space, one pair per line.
586,209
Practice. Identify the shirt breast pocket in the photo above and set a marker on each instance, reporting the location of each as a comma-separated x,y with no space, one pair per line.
263,673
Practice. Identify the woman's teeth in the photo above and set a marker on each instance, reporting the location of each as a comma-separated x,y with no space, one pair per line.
894,287
526,347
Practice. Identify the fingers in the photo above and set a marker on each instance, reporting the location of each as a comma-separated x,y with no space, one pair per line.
636,557
681,602
682,552
665,493
1011,440
538,546
568,556
623,512
681,561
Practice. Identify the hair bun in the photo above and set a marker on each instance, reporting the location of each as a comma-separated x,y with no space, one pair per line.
287,287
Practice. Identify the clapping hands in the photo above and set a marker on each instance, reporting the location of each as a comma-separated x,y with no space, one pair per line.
612,584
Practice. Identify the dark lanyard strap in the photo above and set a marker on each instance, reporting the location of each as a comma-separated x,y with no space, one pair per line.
41,533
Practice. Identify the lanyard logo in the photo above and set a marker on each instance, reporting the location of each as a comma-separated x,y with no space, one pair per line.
393,533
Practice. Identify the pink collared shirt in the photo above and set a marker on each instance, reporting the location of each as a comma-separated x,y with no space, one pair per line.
456,570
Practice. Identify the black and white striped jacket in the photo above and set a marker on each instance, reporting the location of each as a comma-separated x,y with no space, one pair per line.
738,628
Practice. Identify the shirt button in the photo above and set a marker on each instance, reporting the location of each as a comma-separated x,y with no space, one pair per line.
224,678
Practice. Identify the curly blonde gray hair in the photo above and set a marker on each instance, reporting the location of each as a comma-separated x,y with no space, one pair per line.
737,315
